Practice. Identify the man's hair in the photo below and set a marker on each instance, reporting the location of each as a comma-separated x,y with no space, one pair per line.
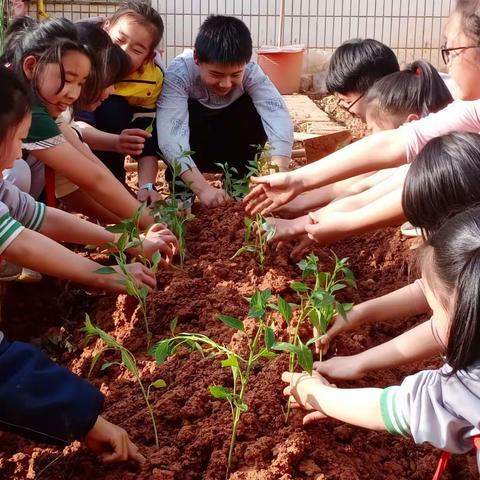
144,14
224,40
357,64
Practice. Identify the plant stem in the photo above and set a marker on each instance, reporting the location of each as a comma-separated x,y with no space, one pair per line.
150,410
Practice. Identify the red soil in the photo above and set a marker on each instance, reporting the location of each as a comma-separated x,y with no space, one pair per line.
194,429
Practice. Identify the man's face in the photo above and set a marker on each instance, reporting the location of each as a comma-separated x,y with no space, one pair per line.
221,79
354,103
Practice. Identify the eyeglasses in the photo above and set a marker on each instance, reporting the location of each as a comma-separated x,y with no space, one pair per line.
348,107
447,56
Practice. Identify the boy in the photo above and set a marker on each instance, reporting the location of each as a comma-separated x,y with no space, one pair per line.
220,105
136,28
355,66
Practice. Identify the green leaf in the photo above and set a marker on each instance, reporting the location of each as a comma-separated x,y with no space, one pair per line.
305,358
156,258
286,347
314,317
105,270
106,365
243,407
129,361
143,292
299,287
231,361
220,392
160,383
232,322
269,338
161,351
264,353
248,228
246,248
314,339
336,287
285,309
342,311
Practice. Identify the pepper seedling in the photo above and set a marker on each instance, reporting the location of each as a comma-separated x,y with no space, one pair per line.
127,360
260,343
236,187
262,231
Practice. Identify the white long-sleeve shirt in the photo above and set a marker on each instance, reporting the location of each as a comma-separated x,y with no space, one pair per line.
182,82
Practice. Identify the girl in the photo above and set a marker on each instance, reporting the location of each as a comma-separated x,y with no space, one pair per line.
25,224
398,98
441,407
441,182
394,147
49,57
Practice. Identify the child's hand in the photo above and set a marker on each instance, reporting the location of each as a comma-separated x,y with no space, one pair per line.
111,443
131,141
149,196
271,192
287,229
326,227
302,244
340,368
301,388
141,274
212,197
160,238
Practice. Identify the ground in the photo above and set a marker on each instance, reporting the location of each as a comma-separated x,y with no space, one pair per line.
194,428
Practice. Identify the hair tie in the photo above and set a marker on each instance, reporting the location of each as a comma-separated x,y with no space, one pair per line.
418,71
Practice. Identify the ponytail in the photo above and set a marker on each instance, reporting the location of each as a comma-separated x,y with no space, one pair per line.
418,89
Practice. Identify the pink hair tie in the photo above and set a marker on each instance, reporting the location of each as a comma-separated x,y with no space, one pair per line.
418,71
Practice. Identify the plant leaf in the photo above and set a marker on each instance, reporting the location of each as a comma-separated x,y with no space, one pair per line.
161,351
299,287
232,322
286,347
336,287
160,383
231,361
305,358
269,338
285,309
220,392
173,325
105,270
106,365
245,248
129,361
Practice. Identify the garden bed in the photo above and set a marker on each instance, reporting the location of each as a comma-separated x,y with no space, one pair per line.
194,428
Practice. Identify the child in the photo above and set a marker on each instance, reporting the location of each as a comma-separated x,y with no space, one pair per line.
397,98
392,148
220,105
137,28
40,51
354,67
441,181
26,224
441,407
47,403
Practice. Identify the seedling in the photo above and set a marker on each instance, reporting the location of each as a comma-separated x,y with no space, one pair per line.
260,344
317,304
262,233
127,360
235,186
262,163
172,211
130,238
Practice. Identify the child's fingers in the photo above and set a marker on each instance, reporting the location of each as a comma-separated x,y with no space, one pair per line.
313,417
136,132
134,452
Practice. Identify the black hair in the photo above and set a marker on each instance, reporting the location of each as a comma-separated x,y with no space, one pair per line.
417,89
48,41
455,263
469,11
224,40
15,104
357,64
144,14
109,62
442,180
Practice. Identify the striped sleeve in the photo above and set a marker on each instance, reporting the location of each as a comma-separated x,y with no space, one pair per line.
392,414
38,216
9,230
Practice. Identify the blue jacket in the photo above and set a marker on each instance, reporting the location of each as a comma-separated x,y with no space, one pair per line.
41,400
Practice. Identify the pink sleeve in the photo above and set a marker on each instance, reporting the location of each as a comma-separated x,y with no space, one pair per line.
459,116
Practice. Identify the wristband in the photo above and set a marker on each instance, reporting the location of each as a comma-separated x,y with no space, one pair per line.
148,186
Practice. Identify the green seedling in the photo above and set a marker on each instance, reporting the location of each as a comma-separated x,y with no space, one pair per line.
318,305
131,238
262,232
127,360
260,344
172,211
262,163
235,186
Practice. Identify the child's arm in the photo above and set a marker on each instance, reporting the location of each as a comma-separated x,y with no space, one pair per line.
417,344
64,227
327,227
147,176
357,406
405,302
46,402
375,152
97,181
